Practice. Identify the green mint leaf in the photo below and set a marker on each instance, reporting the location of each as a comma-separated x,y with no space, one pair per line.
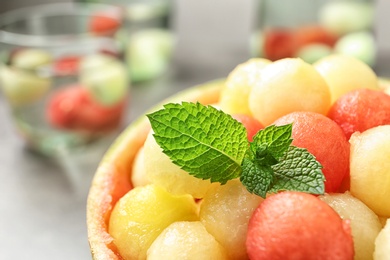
202,140
267,147
272,164
298,170
277,139
256,177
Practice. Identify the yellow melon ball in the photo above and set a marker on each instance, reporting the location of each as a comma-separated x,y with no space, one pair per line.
23,87
160,170
239,83
142,214
382,243
186,240
286,86
138,174
225,212
365,224
369,168
344,73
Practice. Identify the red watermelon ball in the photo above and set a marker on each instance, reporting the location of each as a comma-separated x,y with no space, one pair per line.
73,108
251,124
360,110
323,138
297,225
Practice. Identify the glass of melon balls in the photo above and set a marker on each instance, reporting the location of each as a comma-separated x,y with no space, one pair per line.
312,29
148,36
62,74
147,200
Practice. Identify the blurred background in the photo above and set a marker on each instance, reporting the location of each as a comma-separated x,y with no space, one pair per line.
141,53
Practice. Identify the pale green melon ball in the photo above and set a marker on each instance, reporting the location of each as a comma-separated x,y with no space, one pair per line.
256,44
382,243
186,240
22,87
31,58
105,77
313,52
360,45
148,53
341,17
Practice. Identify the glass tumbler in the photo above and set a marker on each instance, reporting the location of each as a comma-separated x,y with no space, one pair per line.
62,74
147,36
312,29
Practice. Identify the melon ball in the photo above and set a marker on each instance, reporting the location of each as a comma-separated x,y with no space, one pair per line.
23,87
360,45
239,83
323,138
382,243
345,73
142,214
160,170
365,224
225,212
288,85
148,53
31,58
341,17
369,168
186,240
297,225
138,174
313,52
361,109
105,78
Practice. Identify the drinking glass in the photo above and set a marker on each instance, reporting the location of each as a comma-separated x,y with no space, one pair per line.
312,29
62,74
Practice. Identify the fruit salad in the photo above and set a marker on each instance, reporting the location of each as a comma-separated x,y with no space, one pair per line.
282,160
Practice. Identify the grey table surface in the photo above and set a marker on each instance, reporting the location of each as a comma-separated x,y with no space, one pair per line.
42,204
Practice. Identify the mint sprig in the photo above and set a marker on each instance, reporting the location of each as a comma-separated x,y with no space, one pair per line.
202,140
210,144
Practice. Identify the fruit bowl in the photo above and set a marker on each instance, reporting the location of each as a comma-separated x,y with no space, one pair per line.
273,161
112,179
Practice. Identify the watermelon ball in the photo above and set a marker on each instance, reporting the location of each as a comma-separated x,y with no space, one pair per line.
105,23
72,108
297,225
360,110
323,138
251,124
311,34
360,45
278,44
67,65
105,78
